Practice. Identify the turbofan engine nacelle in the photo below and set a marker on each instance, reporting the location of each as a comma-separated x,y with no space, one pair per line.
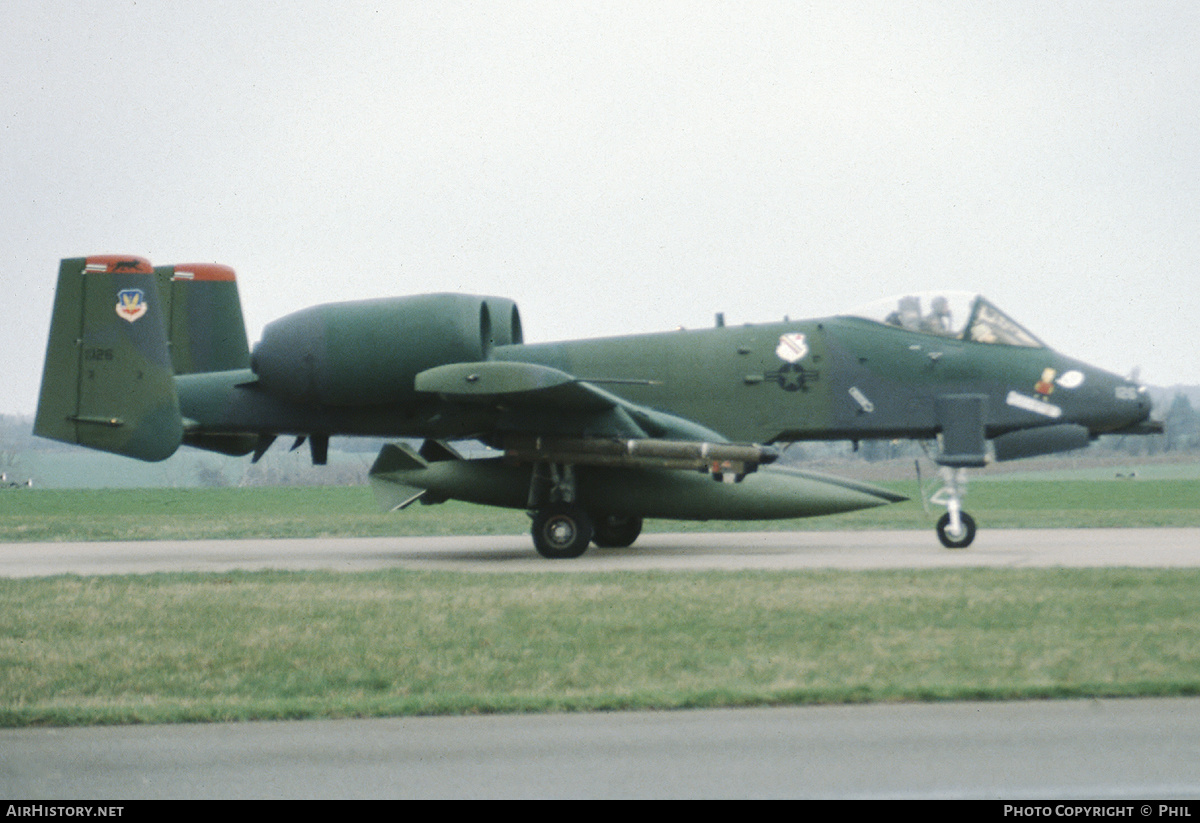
366,353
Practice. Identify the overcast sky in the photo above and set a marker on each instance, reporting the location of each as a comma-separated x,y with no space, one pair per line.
618,167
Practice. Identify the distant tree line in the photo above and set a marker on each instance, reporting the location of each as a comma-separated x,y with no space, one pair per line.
1181,436
1181,432
350,458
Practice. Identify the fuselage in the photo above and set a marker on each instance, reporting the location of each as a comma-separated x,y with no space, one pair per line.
857,379
834,378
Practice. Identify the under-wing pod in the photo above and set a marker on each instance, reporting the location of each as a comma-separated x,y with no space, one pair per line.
717,458
402,476
1042,440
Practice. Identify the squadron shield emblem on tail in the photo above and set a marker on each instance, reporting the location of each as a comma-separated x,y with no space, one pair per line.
131,304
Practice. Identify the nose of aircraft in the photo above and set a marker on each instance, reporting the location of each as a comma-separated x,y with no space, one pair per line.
1142,424
1118,404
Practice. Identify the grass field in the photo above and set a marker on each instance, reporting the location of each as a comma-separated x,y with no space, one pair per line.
144,514
190,647
169,648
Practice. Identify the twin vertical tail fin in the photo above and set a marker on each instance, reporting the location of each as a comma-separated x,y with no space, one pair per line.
203,316
108,382
120,332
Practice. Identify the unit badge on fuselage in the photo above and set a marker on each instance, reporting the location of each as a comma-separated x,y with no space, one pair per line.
792,348
792,376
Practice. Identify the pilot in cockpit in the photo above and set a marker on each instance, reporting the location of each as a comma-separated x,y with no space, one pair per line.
938,320
907,315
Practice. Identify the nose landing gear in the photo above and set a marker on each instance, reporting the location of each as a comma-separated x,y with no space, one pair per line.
955,528
956,538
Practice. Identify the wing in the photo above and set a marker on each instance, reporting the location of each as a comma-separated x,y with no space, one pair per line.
536,399
543,413
496,382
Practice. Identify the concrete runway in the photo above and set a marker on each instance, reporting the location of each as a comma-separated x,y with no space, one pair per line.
999,548
1143,750
1064,750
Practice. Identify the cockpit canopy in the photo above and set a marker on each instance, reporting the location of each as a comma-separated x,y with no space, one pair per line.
956,314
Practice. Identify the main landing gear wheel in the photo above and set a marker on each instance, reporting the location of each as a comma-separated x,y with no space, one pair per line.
616,532
964,536
561,531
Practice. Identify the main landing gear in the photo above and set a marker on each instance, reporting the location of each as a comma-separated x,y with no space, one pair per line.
563,529
955,528
614,531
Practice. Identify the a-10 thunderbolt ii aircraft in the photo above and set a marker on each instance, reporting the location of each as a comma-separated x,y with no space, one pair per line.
593,435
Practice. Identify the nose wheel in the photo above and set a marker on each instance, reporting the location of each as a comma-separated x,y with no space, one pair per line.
955,528
956,538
